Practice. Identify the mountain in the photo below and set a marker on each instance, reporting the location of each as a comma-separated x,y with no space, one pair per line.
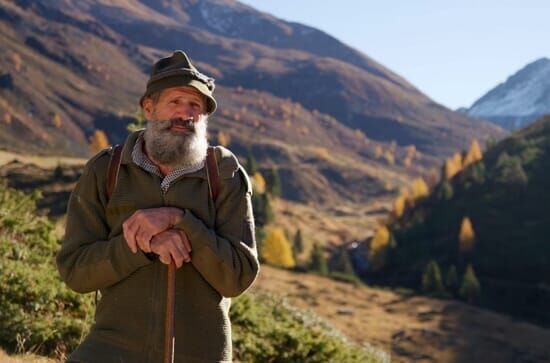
287,92
524,97
504,197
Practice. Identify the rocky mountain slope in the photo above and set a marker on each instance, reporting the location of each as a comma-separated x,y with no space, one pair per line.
289,93
520,100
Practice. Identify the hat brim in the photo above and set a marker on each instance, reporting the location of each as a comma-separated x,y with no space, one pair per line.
179,81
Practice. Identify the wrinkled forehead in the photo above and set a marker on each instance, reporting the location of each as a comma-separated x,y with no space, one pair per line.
187,91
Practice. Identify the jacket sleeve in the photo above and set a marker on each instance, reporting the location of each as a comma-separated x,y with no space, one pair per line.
88,260
226,256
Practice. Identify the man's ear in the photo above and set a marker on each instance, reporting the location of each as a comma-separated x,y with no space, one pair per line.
147,107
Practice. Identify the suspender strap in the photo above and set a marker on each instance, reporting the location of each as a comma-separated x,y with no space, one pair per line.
213,172
112,171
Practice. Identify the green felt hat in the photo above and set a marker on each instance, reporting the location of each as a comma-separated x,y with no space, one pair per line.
176,71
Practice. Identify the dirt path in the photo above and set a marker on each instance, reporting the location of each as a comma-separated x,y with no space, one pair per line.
414,328
42,161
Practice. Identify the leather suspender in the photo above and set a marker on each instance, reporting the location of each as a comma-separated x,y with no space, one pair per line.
112,171
213,173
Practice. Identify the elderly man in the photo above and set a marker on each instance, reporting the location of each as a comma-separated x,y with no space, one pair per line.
162,210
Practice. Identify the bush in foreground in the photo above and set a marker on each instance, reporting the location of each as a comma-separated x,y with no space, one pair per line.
267,329
37,311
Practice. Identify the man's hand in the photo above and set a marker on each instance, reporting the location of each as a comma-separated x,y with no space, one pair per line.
172,244
144,224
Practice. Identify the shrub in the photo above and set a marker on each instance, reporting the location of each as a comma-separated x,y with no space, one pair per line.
37,311
267,329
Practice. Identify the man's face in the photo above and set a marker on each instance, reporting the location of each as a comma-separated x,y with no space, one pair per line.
184,103
176,130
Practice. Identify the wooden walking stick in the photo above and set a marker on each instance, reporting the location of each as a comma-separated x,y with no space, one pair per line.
169,338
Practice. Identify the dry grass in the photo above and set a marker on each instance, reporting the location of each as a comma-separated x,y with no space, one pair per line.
24,358
412,328
42,161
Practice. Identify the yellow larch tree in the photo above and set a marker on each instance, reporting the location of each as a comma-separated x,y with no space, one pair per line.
410,152
399,205
56,121
98,141
419,188
322,153
7,118
378,151
389,156
17,62
466,236
258,183
224,138
453,166
378,247
276,249
474,154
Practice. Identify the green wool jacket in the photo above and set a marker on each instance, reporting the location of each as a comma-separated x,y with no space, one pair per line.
129,318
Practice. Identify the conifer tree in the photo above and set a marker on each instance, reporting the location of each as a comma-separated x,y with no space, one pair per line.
452,279
431,279
251,165
260,237
445,190
470,288
477,172
509,170
261,204
318,261
273,183
276,249
343,263
58,173
298,244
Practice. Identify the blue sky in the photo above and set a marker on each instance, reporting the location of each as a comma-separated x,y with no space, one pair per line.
453,51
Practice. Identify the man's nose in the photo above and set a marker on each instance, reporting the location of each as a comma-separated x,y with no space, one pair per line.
184,111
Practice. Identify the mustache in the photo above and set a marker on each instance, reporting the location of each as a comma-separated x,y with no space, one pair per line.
183,122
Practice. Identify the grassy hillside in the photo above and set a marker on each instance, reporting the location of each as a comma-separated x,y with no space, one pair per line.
505,197
411,328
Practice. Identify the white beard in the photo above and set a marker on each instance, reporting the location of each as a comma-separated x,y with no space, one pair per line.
178,151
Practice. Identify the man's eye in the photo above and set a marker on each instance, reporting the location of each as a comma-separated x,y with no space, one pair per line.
174,102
